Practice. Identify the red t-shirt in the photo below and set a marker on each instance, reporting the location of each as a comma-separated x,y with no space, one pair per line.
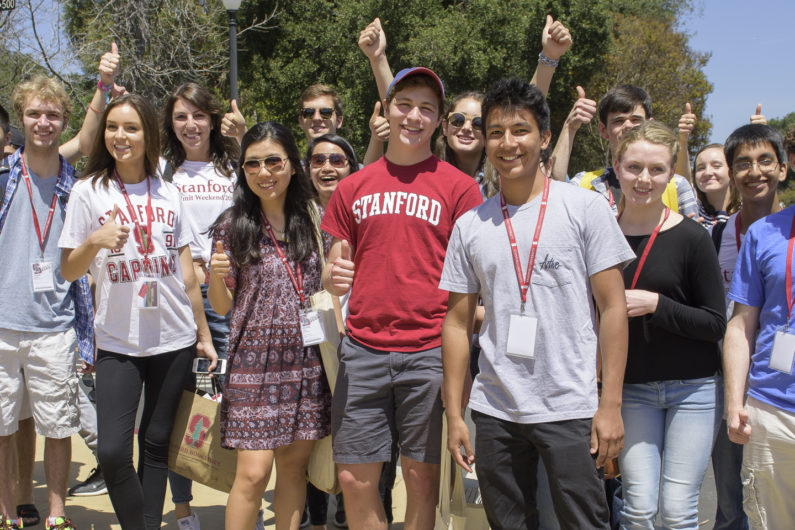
398,220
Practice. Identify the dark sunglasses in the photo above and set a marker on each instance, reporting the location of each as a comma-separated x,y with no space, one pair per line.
335,159
458,119
308,113
271,163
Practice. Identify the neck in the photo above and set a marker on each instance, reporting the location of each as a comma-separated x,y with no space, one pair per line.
131,173
718,199
44,163
469,163
274,211
754,210
641,219
323,198
522,190
198,155
406,156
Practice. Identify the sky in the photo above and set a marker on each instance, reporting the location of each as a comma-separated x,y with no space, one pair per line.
750,41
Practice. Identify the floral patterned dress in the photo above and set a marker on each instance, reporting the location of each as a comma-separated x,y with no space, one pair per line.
276,391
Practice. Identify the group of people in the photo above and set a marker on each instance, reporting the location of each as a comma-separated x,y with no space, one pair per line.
581,320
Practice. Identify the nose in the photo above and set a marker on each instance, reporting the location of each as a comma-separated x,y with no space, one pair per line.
508,139
414,113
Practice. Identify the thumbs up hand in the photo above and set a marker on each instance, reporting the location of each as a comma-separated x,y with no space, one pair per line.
687,122
555,38
582,112
110,235
219,262
109,65
757,117
342,270
234,123
379,125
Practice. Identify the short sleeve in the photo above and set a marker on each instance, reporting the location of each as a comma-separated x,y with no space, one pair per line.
747,286
184,231
77,223
469,199
222,234
605,245
458,274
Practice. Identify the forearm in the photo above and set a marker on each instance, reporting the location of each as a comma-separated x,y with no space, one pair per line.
683,159
219,295
542,78
704,322
562,153
613,338
194,295
383,74
75,262
375,150
736,362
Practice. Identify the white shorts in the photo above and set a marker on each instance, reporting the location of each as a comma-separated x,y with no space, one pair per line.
40,368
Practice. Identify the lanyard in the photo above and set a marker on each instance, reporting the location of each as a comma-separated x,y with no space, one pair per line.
789,269
145,235
524,285
647,249
48,222
737,230
296,277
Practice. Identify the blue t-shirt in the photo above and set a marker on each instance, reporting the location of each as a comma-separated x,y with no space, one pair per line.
20,308
760,281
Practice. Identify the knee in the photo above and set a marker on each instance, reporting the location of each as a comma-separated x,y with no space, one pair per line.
112,458
252,480
422,482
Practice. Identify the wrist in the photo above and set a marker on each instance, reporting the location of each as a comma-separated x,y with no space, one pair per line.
546,60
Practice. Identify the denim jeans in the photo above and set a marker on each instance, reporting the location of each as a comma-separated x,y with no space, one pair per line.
670,428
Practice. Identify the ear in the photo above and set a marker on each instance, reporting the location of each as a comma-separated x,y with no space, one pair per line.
339,122
603,130
545,139
444,126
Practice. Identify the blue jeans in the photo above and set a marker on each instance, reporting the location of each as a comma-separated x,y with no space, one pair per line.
670,428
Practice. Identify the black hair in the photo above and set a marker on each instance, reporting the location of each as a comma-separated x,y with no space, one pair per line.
513,95
340,142
4,120
754,134
624,98
245,214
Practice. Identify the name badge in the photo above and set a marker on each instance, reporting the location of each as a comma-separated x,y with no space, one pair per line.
148,295
312,331
783,352
43,277
522,336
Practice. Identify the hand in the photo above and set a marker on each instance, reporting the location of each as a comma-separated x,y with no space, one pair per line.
109,65
640,302
457,437
379,125
86,368
582,112
372,39
110,235
342,271
555,39
758,117
687,123
219,262
737,423
117,91
234,123
205,348
607,434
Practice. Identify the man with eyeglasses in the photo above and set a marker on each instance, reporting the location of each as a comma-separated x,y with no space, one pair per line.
759,346
320,111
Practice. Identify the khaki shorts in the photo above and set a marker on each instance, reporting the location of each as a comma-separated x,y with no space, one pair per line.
39,367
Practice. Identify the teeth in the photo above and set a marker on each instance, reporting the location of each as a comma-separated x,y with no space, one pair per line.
509,158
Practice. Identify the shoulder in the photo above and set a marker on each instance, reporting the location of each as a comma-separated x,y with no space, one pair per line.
165,189
584,178
774,226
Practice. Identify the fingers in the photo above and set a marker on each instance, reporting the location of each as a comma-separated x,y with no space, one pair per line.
346,250
758,118
113,214
594,441
219,247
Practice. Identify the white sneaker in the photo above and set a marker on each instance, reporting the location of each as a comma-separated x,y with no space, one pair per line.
189,523
260,524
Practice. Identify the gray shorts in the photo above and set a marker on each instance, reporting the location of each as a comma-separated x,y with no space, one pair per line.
383,396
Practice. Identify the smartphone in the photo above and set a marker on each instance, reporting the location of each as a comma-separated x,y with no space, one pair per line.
201,365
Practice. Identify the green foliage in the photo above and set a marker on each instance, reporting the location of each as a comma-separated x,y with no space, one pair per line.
783,125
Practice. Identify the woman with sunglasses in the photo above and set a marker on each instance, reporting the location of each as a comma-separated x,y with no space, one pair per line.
200,161
125,226
265,266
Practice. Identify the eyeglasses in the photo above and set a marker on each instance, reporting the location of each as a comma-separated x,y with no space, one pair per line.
766,165
325,112
271,163
335,159
458,119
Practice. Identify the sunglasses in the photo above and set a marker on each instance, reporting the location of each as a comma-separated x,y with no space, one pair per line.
458,119
335,159
271,163
325,112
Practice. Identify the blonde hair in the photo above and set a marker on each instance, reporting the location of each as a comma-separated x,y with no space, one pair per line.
653,132
46,89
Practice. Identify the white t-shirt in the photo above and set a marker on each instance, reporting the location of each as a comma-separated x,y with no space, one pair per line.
122,326
579,238
727,257
205,195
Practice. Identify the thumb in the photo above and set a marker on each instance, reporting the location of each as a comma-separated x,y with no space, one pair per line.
114,48
580,92
346,250
594,442
376,110
234,107
219,247
548,23
688,108
113,214
377,22
759,109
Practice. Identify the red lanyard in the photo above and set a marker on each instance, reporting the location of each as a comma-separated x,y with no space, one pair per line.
647,249
48,222
146,244
524,285
296,277
789,269
610,198
737,230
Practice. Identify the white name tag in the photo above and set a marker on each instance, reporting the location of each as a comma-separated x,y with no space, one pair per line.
43,277
148,295
312,331
783,352
522,336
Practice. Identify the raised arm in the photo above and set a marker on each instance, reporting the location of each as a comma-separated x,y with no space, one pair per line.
737,349
555,41
234,123
219,295
758,117
372,41
686,125
379,133
583,112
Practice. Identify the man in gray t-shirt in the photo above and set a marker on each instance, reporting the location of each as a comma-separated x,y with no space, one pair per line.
536,393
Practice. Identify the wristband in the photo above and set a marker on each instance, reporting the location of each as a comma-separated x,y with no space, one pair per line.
546,61
95,110
102,86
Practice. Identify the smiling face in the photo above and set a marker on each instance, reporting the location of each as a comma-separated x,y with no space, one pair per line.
317,125
620,122
712,172
192,128
269,185
43,123
755,183
514,143
413,118
644,171
467,138
325,175
124,135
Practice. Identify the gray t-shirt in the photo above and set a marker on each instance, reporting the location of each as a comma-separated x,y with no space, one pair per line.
20,308
580,237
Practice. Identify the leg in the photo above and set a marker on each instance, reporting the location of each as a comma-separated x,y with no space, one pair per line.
727,462
251,478
25,448
164,381
12,392
547,520
57,457
316,503
640,460
694,412
181,494
360,487
422,493
88,413
576,485
290,495
119,382
6,477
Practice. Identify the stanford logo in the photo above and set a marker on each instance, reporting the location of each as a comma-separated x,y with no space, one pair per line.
197,430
